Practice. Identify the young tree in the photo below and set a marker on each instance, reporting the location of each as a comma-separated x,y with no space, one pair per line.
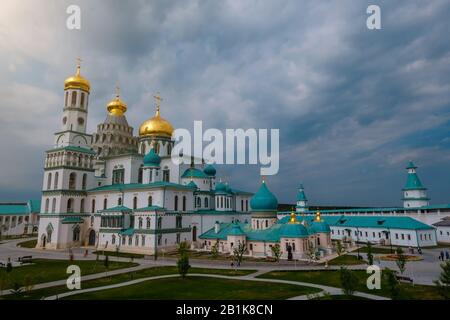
276,252
400,260
369,254
339,248
182,248
238,252
311,252
3,283
183,265
215,250
348,281
28,283
392,284
443,283
106,264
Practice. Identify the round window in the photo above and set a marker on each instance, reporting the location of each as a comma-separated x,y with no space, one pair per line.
80,121
64,120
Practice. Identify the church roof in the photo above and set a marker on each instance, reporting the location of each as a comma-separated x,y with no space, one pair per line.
117,209
131,186
72,220
413,183
301,194
20,208
194,173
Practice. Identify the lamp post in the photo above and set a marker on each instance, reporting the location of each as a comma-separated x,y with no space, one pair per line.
390,239
156,242
357,240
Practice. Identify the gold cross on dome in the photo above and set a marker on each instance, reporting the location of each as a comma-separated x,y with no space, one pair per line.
158,100
117,91
78,65
263,179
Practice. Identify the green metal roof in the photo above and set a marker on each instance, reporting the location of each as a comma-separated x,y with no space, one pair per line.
73,148
20,208
381,222
194,173
127,232
151,208
413,183
236,231
117,209
158,184
72,220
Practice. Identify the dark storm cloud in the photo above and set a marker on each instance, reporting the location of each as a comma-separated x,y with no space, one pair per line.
353,105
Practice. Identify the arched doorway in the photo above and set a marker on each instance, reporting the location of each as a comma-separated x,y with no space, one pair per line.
91,238
43,240
194,234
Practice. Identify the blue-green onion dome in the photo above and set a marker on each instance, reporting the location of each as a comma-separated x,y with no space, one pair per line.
264,200
293,230
152,159
210,170
194,173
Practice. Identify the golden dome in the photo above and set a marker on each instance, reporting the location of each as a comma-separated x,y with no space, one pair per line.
117,107
156,126
77,82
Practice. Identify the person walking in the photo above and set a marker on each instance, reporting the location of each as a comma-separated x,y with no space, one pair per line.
441,256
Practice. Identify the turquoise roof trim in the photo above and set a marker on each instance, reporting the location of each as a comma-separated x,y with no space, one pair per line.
159,184
152,159
127,232
73,148
117,209
151,208
20,208
72,220
379,222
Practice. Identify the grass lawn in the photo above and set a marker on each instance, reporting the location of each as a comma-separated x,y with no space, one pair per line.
43,270
208,256
200,288
28,244
150,272
332,278
375,250
346,260
120,254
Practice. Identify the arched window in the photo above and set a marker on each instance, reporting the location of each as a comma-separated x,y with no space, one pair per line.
72,181
130,240
206,203
47,202
166,174
184,203
221,202
83,182
267,223
49,181
82,206
74,98
67,99
55,183
140,223
119,201
143,240
140,174
113,239
82,100
178,222
53,205
136,240
70,204
175,205
246,205
150,201
105,204
135,203
199,202
242,204
93,206
148,223
159,223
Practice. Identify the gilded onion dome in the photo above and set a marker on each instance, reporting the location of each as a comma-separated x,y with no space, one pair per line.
117,107
156,126
77,81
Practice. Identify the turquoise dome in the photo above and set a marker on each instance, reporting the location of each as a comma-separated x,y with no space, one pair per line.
194,173
210,170
221,188
293,230
152,159
264,200
322,227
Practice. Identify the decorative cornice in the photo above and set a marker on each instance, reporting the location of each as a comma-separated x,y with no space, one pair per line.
65,192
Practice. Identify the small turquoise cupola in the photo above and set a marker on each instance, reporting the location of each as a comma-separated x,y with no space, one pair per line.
414,192
264,200
302,201
152,159
209,170
195,173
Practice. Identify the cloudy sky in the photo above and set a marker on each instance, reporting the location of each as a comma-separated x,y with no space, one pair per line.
353,105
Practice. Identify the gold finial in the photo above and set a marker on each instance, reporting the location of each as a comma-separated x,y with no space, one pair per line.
263,179
293,218
78,65
318,219
158,100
